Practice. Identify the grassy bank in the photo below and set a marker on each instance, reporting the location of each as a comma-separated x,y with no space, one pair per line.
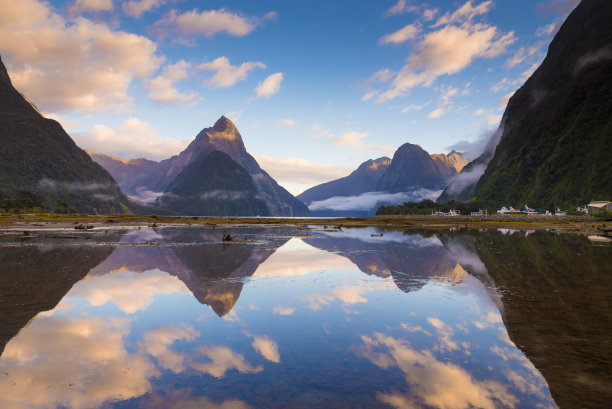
581,224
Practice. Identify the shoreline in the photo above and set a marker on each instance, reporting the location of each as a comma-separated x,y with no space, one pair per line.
568,224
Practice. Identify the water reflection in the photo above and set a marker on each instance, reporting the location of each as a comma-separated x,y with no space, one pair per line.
173,318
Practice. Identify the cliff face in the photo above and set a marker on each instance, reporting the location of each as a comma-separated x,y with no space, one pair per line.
38,156
557,129
141,177
449,165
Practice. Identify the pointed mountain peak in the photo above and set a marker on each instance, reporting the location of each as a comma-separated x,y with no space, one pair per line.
224,124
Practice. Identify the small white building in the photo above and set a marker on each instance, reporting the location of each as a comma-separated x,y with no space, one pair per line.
596,206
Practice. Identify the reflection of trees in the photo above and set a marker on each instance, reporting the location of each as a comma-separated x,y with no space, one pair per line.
35,279
557,308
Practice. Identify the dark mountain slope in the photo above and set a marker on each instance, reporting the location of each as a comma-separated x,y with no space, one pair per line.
37,155
411,168
557,128
214,185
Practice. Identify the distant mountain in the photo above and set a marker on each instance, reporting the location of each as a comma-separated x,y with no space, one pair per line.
145,179
364,179
411,175
411,168
38,156
556,136
449,165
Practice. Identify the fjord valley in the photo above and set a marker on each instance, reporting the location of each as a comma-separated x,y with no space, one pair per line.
272,204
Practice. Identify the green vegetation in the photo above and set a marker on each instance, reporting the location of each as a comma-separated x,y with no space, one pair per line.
426,207
21,201
557,142
38,156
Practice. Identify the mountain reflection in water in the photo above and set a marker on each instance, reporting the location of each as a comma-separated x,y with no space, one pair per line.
175,318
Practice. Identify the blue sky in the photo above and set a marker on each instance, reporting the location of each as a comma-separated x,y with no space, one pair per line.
315,87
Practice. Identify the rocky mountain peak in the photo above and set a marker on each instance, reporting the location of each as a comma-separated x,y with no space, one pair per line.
226,126
377,163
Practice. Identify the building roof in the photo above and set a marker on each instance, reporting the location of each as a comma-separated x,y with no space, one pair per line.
599,204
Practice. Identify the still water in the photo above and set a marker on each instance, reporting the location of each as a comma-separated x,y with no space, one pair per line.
173,318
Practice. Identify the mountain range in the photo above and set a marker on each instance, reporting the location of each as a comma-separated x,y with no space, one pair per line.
38,156
554,142
214,175
411,174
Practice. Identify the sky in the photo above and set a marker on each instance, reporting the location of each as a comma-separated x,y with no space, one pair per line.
315,87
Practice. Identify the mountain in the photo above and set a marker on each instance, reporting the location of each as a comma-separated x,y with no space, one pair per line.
411,168
364,179
38,156
556,135
449,165
413,174
192,194
145,179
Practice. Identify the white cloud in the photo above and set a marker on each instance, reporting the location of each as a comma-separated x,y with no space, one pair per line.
77,65
285,122
267,347
287,169
157,342
369,200
401,7
132,139
69,361
283,310
414,107
447,94
409,32
86,6
429,14
226,74
494,119
447,50
222,359
163,90
129,291
504,100
355,140
436,113
547,30
208,23
464,13
432,382
270,86
135,8
522,54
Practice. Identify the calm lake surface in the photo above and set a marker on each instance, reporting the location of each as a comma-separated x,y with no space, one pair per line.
173,318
